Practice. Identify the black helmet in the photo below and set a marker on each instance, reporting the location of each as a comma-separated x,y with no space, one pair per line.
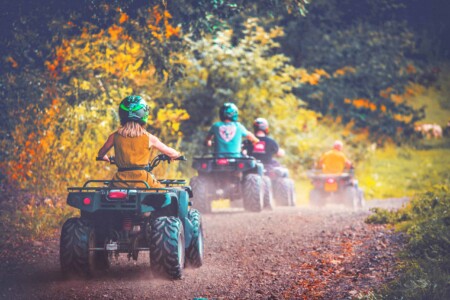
133,108
261,124
229,111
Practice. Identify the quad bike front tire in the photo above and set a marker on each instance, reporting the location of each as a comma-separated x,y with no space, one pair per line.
77,236
167,249
201,201
194,253
268,195
253,193
284,193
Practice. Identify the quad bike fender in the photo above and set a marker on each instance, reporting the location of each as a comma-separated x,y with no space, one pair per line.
183,205
134,202
188,232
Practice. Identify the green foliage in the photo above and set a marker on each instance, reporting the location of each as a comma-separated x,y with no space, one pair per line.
378,173
248,73
34,221
426,270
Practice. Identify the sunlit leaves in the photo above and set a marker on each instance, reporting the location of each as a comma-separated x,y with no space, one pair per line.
248,73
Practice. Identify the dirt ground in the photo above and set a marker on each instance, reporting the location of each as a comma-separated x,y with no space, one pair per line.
287,253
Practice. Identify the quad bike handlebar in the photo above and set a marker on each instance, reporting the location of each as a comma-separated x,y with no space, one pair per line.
153,164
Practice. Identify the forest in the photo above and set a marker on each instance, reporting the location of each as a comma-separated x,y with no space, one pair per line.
367,72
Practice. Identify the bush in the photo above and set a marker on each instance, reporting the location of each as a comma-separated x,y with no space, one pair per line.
426,259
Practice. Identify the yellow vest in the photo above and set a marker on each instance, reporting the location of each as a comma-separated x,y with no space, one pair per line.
333,162
133,152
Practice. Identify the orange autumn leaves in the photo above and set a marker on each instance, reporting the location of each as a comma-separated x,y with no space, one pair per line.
314,78
115,50
159,24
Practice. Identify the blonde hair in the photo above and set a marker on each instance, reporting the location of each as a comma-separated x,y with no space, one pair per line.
131,129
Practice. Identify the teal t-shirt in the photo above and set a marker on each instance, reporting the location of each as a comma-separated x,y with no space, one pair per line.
228,138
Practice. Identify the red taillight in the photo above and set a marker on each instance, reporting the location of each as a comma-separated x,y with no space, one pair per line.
241,165
204,165
117,195
222,161
86,201
330,180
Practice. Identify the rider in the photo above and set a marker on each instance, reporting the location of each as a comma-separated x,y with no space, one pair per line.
266,148
228,133
133,144
334,161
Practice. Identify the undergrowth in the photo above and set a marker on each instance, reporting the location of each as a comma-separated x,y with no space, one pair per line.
425,267
394,172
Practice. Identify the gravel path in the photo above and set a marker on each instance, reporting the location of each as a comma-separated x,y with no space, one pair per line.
287,253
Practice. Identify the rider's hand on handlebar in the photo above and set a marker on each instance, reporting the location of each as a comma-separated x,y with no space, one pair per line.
104,158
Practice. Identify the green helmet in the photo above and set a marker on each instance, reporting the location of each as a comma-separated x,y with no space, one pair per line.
229,111
133,108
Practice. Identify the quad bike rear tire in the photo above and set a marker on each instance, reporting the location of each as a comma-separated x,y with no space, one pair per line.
194,253
167,249
201,200
268,195
253,193
77,236
284,193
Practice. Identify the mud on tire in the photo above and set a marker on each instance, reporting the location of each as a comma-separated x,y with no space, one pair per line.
201,199
253,193
77,236
194,253
167,249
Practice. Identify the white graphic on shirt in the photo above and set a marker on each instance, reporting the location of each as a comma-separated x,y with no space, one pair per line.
259,147
227,132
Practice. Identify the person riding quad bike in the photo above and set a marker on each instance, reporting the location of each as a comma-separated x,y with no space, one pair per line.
276,179
133,144
226,135
227,173
133,212
334,178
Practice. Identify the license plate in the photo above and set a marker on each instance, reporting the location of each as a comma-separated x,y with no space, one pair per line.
111,247
331,186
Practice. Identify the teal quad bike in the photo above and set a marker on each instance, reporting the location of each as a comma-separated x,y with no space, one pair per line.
116,221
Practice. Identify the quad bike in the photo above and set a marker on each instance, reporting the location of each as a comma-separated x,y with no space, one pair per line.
282,186
131,220
228,177
335,188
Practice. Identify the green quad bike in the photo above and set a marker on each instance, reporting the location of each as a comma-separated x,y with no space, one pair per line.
229,177
130,220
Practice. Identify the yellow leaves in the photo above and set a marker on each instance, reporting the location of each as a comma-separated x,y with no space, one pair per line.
313,78
114,32
172,31
162,30
13,62
172,118
343,71
361,103
397,99
85,85
411,69
403,118
123,18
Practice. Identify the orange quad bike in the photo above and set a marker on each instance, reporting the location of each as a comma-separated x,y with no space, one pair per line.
335,188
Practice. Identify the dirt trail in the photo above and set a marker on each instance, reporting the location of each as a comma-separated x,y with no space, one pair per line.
288,253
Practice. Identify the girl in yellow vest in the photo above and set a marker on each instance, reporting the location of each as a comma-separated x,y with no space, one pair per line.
133,144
